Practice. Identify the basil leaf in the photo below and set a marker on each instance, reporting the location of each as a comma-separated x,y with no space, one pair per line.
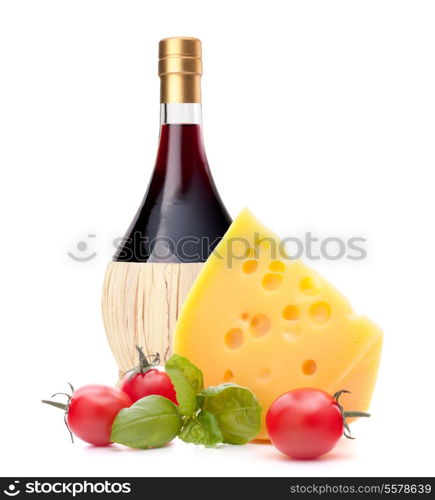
152,421
187,380
202,429
237,412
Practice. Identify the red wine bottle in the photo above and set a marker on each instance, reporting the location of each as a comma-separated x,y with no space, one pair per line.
182,217
180,221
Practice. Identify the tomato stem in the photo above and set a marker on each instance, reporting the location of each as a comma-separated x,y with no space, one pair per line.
62,406
61,394
353,414
146,364
347,414
67,426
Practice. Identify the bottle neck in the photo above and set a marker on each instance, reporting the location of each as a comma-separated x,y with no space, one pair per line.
181,150
181,113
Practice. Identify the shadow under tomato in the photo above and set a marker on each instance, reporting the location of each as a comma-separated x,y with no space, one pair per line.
329,457
116,448
344,450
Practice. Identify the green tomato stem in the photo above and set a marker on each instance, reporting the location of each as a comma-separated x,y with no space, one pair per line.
61,406
347,414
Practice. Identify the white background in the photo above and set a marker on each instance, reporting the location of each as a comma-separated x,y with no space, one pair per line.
319,116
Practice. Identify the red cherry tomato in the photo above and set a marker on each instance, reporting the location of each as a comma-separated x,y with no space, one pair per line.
147,381
150,382
305,423
91,410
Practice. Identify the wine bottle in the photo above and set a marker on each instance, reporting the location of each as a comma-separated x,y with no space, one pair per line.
180,221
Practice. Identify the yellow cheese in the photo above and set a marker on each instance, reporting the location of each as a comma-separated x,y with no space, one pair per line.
258,319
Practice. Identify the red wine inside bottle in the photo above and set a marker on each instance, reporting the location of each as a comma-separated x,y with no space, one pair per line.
182,217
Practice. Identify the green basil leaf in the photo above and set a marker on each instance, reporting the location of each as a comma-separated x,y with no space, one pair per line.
202,429
187,380
150,422
237,412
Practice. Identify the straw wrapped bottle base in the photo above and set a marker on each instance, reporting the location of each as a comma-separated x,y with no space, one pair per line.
141,302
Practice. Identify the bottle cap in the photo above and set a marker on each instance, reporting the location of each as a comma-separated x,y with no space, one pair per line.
180,69
180,55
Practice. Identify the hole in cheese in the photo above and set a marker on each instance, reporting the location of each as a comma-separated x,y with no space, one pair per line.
234,338
309,367
249,266
291,313
260,325
264,245
320,312
228,376
277,266
309,286
272,282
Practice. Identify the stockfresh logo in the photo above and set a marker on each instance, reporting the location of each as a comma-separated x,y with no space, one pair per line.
70,488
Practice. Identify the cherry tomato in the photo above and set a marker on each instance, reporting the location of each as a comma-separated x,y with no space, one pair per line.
150,382
307,423
91,410
144,380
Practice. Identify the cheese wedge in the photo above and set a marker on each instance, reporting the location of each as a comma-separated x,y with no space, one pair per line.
258,319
